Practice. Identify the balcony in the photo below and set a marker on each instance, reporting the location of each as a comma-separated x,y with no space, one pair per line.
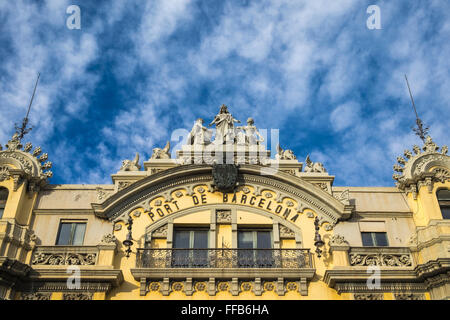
169,267
355,267
50,265
224,258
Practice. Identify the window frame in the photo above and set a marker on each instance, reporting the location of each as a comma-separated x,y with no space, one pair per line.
3,202
189,256
255,257
72,233
191,235
255,236
374,238
443,203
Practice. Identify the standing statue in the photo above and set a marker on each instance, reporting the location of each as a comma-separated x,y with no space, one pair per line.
249,134
199,135
224,122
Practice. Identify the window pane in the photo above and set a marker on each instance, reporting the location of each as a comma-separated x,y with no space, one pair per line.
78,236
181,239
445,212
264,240
201,239
200,257
245,257
381,239
245,239
264,258
3,194
65,232
443,194
3,198
367,239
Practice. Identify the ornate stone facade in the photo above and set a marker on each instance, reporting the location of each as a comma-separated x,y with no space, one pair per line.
180,227
422,167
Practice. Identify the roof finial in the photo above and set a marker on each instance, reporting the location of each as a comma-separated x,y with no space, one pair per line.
23,130
420,130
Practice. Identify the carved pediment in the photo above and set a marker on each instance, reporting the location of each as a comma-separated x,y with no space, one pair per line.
281,194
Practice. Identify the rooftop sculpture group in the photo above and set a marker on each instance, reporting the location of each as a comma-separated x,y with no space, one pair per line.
226,132
203,145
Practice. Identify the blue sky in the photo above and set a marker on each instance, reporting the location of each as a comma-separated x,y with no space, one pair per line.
137,70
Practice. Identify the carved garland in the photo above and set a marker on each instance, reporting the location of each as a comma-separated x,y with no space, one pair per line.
78,296
4,173
42,258
35,296
212,287
381,259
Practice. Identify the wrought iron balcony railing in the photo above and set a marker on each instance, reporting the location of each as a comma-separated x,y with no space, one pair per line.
224,258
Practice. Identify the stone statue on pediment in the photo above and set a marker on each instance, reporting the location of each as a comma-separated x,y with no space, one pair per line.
131,165
199,135
225,130
163,153
249,134
284,154
314,166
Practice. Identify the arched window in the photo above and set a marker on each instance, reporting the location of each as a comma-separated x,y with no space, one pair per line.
3,197
443,197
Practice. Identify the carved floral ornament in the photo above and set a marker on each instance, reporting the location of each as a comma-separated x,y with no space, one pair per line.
338,240
109,238
4,173
422,167
31,165
214,287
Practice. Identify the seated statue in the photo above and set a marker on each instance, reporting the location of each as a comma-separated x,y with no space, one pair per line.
199,135
128,165
159,153
314,166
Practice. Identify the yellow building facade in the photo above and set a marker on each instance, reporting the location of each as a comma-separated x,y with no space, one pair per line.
224,219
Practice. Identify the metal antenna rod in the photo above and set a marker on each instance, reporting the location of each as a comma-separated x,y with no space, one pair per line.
420,130
23,130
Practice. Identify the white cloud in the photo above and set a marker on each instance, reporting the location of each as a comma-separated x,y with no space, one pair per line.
345,116
303,65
